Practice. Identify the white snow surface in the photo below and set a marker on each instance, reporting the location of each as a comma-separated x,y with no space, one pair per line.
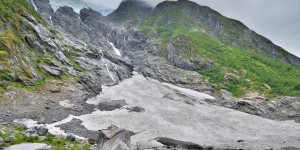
182,114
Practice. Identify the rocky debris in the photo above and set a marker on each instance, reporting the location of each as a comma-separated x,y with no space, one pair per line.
75,126
36,131
71,137
114,138
54,89
68,104
30,146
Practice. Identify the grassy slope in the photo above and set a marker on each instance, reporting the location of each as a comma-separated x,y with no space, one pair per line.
14,49
247,69
57,143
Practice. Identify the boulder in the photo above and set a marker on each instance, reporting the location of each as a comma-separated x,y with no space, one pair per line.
30,146
9,139
70,137
42,130
114,138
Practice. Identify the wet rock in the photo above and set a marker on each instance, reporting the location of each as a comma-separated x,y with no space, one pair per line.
30,146
70,137
42,130
114,138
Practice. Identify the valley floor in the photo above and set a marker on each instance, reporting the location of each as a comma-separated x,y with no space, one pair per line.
156,110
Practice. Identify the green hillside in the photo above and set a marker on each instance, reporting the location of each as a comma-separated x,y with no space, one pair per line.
238,69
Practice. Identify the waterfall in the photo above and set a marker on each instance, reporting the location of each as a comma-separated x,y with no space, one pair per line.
33,4
51,22
111,76
117,51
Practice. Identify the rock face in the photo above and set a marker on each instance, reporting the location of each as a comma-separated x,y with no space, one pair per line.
44,8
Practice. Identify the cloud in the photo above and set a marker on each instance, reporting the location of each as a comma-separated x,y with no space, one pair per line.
277,20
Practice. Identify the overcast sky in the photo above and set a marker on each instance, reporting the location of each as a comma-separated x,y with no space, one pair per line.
278,20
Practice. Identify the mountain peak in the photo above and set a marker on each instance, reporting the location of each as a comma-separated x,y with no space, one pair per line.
130,10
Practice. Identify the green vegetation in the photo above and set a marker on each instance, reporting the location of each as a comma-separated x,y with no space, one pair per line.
235,69
68,53
57,143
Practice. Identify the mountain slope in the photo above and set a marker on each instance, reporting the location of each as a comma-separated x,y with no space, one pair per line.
232,56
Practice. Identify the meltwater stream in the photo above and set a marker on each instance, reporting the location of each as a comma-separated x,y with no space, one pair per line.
181,114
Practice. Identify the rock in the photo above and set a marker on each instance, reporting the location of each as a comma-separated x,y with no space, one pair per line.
30,146
9,139
54,89
70,137
1,140
42,130
31,132
2,132
42,138
136,109
114,138
111,105
53,70
175,143
41,120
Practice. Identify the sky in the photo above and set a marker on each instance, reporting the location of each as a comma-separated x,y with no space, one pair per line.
278,20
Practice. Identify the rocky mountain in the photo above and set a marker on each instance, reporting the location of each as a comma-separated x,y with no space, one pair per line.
130,12
121,80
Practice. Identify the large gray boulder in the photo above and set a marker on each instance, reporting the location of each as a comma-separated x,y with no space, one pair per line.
30,146
114,138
